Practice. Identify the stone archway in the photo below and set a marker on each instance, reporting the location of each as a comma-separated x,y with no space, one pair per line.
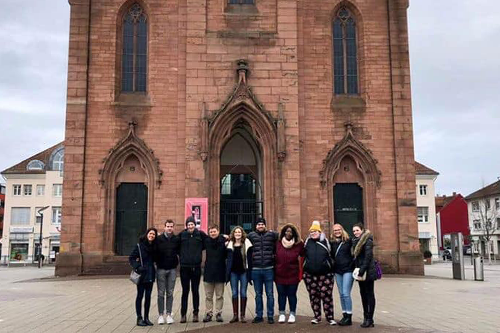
129,162
351,164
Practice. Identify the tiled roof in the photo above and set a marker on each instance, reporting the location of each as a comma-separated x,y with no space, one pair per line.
44,156
485,192
421,169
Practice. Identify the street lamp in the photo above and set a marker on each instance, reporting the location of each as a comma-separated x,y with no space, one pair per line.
40,211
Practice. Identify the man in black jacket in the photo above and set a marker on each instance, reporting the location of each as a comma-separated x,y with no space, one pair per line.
191,248
262,257
214,276
167,250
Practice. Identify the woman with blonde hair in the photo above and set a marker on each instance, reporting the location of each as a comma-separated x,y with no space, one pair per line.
237,269
288,249
343,268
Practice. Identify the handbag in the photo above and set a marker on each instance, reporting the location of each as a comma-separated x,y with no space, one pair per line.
356,276
134,276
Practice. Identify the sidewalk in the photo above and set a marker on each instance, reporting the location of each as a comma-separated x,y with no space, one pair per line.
106,304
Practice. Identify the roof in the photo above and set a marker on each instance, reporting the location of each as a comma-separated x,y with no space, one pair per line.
421,169
443,201
485,192
44,156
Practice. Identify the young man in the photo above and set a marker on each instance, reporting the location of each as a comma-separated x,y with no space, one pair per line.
215,273
166,259
262,256
192,244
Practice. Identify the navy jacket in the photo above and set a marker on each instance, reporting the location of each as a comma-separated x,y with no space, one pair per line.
263,249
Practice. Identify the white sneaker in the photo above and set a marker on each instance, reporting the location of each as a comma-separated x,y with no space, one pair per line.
170,319
291,319
161,320
315,321
281,318
333,322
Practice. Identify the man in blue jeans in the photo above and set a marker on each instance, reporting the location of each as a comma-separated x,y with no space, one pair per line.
262,263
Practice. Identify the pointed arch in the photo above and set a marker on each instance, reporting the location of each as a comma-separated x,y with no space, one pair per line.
131,147
350,151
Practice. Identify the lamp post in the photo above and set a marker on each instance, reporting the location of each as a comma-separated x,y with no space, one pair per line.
40,211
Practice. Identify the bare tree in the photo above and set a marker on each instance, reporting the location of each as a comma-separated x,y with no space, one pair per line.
485,213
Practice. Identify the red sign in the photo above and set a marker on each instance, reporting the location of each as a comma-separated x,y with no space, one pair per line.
198,208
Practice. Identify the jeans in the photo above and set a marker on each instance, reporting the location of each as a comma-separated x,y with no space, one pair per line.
261,278
166,284
190,277
344,284
239,280
367,291
287,291
143,288
210,289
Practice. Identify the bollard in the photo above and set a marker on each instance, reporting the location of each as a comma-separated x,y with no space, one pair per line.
478,268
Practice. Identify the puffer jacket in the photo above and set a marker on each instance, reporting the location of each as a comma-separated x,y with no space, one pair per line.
263,248
147,269
362,251
318,259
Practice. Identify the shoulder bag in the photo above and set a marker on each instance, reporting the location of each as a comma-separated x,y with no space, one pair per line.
134,276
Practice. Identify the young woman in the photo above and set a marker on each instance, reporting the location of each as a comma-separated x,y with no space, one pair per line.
145,249
343,267
288,249
237,270
362,251
318,275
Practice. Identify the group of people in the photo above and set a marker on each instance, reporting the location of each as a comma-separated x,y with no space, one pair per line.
262,258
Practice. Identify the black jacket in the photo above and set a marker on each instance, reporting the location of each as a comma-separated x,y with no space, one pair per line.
318,259
263,249
191,248
147,270
247,263
362,251
343,260
167,251
215,262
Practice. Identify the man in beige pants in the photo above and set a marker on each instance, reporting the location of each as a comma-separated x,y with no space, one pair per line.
215,273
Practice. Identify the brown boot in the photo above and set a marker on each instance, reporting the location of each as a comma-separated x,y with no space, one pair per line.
243,309
235,310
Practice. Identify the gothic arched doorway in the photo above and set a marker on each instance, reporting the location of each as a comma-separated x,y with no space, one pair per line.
241,200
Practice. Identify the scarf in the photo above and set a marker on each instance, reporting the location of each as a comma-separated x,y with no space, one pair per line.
287,243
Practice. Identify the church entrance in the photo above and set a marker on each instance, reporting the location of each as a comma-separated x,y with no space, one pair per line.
240,190
131,216
348,205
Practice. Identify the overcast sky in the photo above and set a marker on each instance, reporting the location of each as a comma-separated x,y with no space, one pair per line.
454,49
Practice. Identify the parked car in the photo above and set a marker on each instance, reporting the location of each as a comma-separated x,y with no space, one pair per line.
447,254
467,250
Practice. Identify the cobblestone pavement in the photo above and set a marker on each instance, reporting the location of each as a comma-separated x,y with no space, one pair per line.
32,301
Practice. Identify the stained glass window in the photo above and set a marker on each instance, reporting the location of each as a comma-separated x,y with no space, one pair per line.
345,55
135,50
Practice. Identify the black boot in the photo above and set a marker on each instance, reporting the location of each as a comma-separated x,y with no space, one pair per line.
148,322
342,321
348,319
235,310
368,323
141,322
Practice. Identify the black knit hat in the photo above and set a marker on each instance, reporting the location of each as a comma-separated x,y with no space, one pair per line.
261,220
190,219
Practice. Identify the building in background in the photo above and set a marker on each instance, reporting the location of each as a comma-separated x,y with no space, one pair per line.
32,184
451,217
426,209
484,219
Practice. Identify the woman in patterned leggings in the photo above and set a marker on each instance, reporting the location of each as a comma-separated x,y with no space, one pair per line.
318,275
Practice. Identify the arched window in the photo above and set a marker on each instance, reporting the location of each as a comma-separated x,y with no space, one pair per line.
35,165
58,160
135,50
345,59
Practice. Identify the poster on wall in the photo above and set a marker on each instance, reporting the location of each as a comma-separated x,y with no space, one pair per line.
198,208
18,252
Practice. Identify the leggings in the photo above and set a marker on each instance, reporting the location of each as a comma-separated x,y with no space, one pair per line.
367,291
320,289
143,288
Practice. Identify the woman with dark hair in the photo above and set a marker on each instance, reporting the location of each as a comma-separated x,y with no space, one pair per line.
288,249
365,272
142,261
343,267
237,269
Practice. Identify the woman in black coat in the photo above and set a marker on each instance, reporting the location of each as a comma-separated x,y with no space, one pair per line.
365,272
144,250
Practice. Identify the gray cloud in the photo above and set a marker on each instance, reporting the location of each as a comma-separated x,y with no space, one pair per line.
454,57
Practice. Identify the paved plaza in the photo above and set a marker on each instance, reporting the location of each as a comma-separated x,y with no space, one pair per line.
31,300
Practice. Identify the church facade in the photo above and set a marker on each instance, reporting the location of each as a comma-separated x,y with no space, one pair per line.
291,110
